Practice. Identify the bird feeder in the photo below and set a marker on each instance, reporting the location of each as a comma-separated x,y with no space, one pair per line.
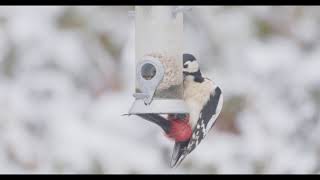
158,57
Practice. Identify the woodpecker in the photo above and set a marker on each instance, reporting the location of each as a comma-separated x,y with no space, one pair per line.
204,99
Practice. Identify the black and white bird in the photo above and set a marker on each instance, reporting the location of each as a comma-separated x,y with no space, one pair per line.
204,99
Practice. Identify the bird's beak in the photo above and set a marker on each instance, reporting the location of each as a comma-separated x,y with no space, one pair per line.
184,73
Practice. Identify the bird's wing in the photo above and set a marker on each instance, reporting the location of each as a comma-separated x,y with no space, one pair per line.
207,119
179,153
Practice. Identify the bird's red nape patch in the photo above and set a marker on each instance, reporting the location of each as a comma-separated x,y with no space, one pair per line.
180,129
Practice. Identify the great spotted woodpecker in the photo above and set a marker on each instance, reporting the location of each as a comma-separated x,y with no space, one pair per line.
204,100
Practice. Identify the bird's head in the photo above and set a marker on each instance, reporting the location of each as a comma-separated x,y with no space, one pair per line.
190,64
191,67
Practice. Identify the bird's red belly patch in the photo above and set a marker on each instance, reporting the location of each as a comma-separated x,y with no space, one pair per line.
180,129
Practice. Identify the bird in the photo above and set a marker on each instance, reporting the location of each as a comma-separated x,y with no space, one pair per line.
204,100
175,126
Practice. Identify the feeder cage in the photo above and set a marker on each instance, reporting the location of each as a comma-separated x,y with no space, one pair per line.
158,54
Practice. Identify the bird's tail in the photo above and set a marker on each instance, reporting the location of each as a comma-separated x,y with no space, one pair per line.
178,154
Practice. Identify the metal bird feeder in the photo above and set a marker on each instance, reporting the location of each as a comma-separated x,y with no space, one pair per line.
158,54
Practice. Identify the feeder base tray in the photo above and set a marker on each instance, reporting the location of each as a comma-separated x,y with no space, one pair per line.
160,106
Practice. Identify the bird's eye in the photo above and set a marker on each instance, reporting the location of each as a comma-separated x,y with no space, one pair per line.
185,66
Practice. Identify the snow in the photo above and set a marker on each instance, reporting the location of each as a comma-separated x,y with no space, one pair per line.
63,91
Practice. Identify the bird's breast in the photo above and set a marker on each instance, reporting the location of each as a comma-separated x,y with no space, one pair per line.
196,96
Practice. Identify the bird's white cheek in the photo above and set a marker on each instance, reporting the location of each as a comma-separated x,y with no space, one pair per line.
192,67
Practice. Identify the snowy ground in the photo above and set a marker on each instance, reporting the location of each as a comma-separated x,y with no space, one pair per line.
66,78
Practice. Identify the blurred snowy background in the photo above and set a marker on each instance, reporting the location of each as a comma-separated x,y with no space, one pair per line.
66,77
